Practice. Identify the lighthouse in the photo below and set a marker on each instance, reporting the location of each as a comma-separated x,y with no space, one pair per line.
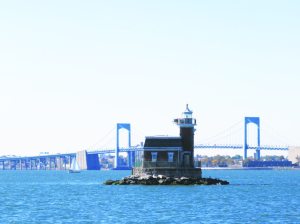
172,156
187,128
166,160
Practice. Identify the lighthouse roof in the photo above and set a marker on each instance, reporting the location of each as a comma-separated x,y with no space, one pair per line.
162,141
187,110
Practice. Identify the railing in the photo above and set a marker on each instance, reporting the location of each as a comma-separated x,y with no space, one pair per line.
159,164
185,121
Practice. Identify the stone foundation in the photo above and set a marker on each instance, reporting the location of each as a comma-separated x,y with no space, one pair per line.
169,172
164,180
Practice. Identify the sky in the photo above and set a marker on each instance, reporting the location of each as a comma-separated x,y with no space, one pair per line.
71,70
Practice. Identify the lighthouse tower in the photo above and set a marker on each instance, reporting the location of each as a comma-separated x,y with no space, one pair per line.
187,128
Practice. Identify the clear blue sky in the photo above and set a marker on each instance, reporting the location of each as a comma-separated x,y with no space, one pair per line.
70,70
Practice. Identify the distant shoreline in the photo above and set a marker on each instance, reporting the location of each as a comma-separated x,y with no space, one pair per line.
250,168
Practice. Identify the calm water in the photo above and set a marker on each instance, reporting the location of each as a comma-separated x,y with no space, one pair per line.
60,197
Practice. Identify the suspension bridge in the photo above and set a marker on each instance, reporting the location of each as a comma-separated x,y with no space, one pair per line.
89,159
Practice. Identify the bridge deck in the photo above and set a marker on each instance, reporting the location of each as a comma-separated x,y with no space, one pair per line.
106,151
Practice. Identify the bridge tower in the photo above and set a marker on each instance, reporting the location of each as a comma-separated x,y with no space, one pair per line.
130,155
254,120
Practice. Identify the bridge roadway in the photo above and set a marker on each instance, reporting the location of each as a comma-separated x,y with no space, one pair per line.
63,161
264,147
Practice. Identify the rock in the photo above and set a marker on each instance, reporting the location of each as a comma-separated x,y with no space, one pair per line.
132,182
144,177
134,176
161,181
109,182
168,180
164,180
161,176
151,178
122,182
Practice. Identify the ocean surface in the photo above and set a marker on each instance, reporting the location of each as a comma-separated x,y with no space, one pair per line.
253,196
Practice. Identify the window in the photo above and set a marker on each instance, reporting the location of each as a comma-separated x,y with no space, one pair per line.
154,156
170,156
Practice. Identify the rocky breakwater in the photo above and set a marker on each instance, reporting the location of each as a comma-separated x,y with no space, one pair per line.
164,180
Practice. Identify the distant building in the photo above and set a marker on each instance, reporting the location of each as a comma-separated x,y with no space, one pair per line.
170,156
294,154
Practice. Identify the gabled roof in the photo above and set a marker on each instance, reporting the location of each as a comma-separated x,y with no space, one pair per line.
162,141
